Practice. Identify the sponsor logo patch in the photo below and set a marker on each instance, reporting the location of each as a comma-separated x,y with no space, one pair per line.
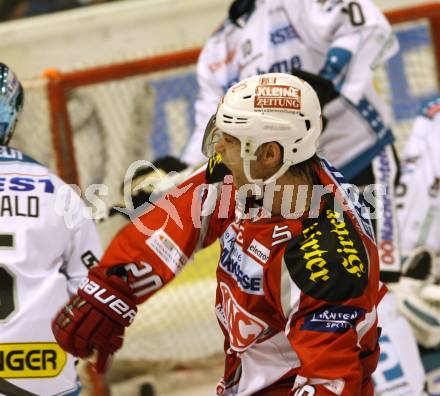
243,327
243,269
277,97
328,260
331,319
315,257
167,250
25,184
384,170
283,34
103,296
31,360
259,251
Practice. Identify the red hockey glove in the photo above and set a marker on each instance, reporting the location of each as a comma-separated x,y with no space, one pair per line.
96,317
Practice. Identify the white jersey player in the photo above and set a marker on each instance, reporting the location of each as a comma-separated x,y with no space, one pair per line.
419,190
340,40
42,260
419,218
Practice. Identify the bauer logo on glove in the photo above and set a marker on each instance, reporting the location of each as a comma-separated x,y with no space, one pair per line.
95,318
103,296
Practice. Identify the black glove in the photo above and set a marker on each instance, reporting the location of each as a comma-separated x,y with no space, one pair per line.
239,8
324,88
164,165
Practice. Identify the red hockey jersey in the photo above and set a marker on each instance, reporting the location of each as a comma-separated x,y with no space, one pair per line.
296,297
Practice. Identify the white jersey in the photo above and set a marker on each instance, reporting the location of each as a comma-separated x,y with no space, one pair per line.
43,257
341,40
419,196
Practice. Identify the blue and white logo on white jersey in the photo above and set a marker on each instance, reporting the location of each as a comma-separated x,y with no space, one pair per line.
283,34
25,184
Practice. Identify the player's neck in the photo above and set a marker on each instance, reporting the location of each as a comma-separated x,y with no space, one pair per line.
290,194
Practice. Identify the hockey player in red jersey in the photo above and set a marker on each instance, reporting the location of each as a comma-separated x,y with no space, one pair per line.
298,276
335,45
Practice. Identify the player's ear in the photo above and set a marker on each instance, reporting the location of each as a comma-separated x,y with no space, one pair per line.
270,154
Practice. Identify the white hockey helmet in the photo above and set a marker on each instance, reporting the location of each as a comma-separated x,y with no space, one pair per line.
273,107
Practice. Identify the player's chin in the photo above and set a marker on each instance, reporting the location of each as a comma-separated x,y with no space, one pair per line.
239,182
232,164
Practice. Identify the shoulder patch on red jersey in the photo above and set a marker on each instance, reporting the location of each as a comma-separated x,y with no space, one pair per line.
328,260
430,108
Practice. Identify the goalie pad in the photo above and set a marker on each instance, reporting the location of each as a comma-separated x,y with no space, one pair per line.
423,315
418,294
400,370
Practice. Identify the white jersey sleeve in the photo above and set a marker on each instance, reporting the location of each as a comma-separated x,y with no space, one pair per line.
45,251
418,200
355,36
83,248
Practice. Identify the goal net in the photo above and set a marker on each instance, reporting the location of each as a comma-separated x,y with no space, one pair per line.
90,125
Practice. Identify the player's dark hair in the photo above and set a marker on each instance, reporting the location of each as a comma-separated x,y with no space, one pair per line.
307,169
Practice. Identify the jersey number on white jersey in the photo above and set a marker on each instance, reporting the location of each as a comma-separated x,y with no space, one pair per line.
7,282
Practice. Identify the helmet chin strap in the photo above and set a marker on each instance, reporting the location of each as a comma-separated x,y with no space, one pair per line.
260,182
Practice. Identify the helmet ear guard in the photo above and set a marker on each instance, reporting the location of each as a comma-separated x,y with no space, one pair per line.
273,107
11,102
